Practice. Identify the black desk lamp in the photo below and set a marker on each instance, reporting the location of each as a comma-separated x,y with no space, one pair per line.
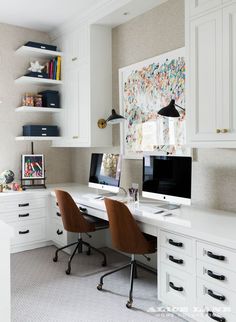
170,110
114,118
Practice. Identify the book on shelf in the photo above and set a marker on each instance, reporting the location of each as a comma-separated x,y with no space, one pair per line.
53,68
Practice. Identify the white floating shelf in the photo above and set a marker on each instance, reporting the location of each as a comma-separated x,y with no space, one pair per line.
37,138
37,52
38,109
37,81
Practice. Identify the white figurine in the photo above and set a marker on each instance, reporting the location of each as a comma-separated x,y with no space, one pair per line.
36,67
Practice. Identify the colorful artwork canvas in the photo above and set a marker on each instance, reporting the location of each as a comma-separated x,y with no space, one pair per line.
33,166
145,88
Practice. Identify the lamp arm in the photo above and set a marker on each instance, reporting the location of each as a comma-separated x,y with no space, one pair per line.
180,107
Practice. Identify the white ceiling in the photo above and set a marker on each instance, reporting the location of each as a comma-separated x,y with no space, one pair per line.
43,15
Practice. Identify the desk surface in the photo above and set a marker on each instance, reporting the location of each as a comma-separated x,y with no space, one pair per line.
214,225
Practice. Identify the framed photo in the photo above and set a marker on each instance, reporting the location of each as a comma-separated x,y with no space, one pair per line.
33,166
145,88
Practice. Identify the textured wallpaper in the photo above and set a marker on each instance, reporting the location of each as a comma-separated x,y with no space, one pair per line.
58,161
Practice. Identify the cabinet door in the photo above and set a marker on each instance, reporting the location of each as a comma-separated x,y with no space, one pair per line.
199,6
205,91
229,72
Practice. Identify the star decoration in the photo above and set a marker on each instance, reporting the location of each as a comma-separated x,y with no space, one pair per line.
35,67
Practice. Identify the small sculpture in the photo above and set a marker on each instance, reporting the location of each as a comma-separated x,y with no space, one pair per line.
36,67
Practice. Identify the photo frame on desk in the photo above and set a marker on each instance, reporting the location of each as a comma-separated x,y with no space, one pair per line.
33,171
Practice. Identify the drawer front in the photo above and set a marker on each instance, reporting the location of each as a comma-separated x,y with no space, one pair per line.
176,287
58,233
217,275
213,314
177,260
216,296
22,215
21,204
56,213
216,255
176,242
29,231
93,212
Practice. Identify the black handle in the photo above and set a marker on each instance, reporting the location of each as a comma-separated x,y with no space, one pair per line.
23,215
58,214
24,232
216,318
171,242
217,277
23,205
217,297
179,289
57,204
59,232
82,209
218,257
177,261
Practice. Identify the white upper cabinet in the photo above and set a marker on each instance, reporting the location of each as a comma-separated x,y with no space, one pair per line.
211,81
87,90
199,6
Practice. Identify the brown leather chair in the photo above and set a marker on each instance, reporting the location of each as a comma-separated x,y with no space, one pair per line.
76,221
127,237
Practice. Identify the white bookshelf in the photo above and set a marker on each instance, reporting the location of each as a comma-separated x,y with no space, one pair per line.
37,52
35,109
37,138
37,81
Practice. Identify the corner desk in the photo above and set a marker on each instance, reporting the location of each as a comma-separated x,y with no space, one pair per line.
196,247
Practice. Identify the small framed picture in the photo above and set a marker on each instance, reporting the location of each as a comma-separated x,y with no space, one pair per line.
33,166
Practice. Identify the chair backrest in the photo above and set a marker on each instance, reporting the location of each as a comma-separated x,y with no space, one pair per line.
125,233
73,220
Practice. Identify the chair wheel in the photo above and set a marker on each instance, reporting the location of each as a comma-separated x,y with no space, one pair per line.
104,263
99,287
68,271
129,304
55,259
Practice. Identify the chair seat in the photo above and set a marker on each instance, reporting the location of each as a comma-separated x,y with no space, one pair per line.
99,223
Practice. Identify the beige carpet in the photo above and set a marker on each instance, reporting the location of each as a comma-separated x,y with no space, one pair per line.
42,292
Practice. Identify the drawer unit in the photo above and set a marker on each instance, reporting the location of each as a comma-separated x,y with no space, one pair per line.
216,296
58,233
21,204
176,287
176,242
216,255
217,275
177,260
29,231
22,215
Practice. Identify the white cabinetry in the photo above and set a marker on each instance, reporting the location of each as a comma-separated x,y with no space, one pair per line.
199,6
87,87
211,99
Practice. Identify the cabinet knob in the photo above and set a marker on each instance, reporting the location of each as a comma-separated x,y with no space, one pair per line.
75,137
218,130
224,131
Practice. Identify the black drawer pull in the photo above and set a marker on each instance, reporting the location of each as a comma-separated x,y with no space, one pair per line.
218,257
24,232
23,215
216,318
217,297
23,205
171,242
175,260
59,232
217,277
83,209
57,204
179,289
58,214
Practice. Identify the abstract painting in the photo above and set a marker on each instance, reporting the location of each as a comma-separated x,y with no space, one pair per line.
33,166
144,89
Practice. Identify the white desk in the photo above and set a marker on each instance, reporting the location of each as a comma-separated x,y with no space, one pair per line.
187,242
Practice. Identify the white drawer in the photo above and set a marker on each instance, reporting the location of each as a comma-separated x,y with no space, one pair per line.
216,255
29,231
215,296
176,242
176,259
176,287
221,313
21,204
56,213
58,233
22,215
93,212
217,275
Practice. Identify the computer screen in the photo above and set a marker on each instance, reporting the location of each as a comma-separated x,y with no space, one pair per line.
105,171
167,178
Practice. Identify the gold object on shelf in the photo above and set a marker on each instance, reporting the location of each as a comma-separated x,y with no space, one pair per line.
102,124
224,131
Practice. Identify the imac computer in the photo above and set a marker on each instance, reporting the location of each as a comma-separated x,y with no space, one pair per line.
167,178
105,171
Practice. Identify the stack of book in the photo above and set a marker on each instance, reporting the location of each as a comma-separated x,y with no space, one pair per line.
53,68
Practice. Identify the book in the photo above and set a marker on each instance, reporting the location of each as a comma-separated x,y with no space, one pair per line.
58,75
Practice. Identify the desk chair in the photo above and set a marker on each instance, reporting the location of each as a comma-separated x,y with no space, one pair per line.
127,237
75,221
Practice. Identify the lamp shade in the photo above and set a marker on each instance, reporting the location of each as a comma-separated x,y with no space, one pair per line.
169,110
115,118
